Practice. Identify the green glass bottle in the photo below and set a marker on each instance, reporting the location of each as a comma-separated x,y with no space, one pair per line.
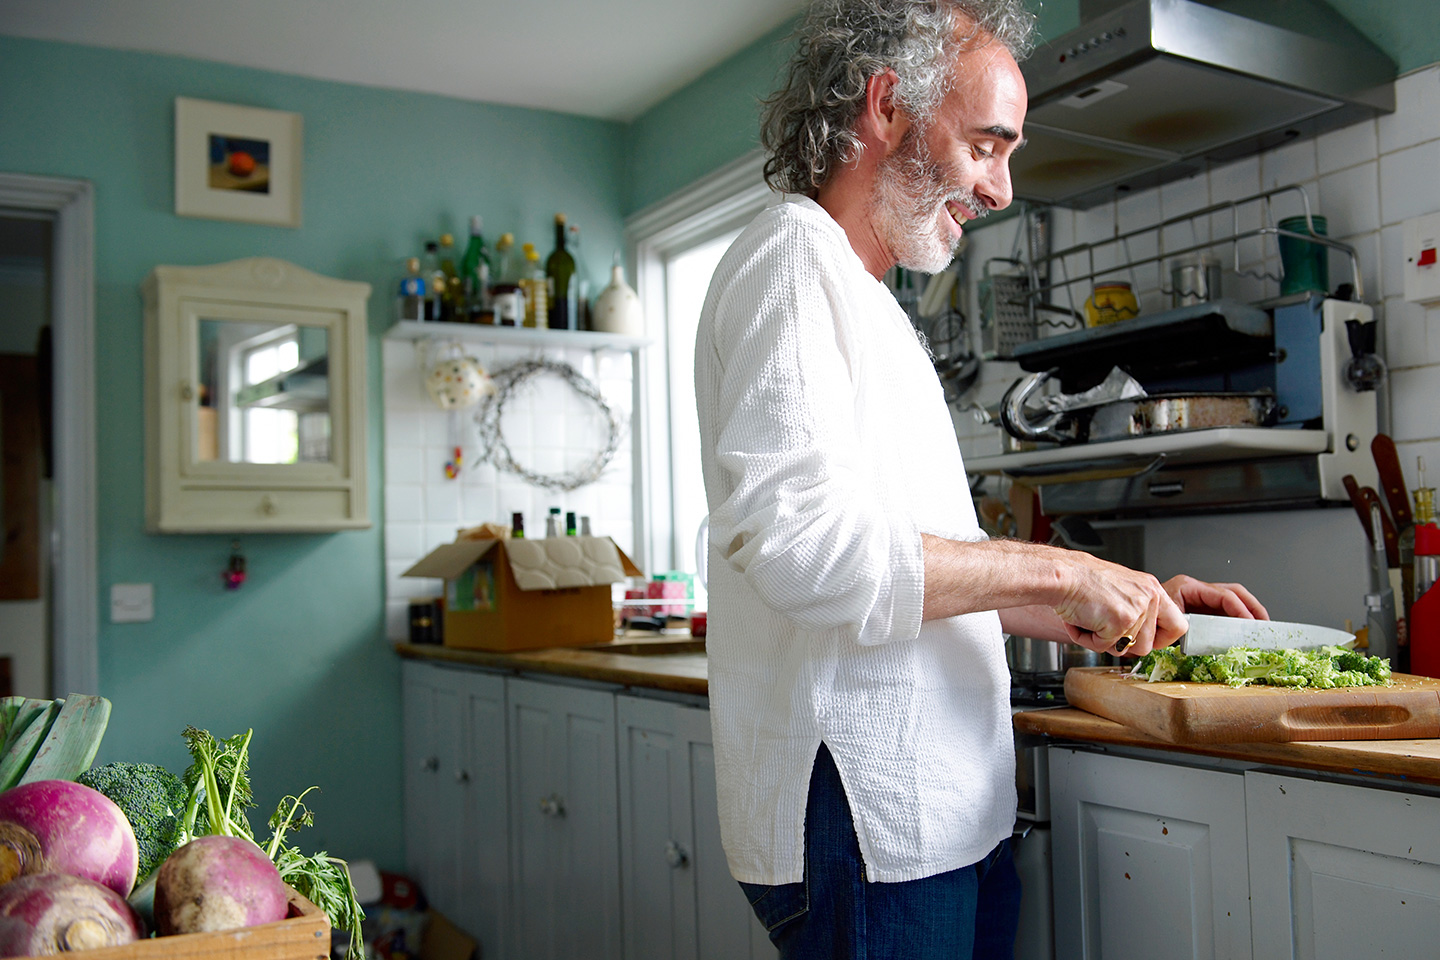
475,273
559,269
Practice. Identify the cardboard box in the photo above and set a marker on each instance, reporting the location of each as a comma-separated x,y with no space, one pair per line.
504,594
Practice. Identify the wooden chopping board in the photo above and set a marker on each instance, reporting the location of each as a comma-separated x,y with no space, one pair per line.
1215,713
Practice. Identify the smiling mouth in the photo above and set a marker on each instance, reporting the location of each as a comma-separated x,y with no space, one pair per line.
960,211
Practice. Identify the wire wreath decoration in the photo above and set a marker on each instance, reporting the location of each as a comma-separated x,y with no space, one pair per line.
507,382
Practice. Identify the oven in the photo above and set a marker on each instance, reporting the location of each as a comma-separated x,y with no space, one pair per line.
1031,840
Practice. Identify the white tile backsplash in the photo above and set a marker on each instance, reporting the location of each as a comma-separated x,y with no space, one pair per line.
1347,146
1417,111
1415,418
1410,182
1292,163
1350,200
548,429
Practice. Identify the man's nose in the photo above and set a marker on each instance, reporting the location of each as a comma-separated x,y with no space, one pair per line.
996,191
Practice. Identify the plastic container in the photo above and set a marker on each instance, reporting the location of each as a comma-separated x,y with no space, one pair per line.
1424,620
1305,265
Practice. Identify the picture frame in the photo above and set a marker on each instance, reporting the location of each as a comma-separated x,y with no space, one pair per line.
237,163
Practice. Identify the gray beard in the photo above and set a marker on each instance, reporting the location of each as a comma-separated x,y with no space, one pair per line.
910,188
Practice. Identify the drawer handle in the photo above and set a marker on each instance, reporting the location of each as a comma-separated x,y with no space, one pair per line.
552,806
430,764
675,855
462,776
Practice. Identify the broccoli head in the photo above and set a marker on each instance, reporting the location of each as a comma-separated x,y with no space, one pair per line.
152,799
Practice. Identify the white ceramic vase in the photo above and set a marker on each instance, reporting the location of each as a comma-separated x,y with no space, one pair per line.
617,308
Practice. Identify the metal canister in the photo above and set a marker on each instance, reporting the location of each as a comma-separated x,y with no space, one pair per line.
1194,279
425,620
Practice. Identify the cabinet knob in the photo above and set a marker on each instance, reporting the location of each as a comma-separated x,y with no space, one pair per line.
675,855
187,391
268,505
430,764
552,806
462,776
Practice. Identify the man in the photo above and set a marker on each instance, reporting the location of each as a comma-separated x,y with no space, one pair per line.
858,684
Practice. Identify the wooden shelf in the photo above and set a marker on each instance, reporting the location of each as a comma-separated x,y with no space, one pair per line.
519,336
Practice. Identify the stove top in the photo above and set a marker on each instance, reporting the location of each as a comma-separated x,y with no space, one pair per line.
1040,692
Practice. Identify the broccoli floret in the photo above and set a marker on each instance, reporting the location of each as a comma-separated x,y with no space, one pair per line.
152,799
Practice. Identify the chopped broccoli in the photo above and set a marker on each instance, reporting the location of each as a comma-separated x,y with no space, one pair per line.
152,799
1322,669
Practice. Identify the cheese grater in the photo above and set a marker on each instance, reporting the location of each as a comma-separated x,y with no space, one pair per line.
1005,320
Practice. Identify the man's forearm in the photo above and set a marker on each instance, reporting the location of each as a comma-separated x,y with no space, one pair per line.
968,577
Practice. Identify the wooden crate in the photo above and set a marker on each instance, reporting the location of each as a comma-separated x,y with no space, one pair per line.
304,935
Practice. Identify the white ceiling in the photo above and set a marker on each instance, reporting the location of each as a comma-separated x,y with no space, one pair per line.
599,58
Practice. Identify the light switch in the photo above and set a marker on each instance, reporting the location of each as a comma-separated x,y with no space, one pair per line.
1422,272
132,602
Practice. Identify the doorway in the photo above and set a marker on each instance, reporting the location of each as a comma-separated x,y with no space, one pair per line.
67,556
26,268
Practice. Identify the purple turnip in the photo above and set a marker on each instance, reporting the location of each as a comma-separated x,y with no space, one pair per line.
217,883
47,913
56,826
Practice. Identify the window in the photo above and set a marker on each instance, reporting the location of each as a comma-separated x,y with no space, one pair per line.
676,247
269,435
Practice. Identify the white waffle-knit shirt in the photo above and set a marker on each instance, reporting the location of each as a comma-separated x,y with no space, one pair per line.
827,450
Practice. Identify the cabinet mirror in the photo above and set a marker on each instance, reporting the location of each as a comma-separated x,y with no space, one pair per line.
256,399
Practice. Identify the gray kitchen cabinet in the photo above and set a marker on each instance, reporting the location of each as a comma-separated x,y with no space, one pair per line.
456,808
565,856
680,901
1150,859
1338,870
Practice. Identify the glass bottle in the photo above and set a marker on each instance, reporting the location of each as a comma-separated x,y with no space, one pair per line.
411,299
570,529
475,270
517,525
579,283
536,288
434,280
559,269
584,526
552,523
449,309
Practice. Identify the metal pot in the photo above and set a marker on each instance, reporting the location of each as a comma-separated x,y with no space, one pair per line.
1139,416
1029,657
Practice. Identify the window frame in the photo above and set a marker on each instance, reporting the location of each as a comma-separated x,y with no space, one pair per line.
721,202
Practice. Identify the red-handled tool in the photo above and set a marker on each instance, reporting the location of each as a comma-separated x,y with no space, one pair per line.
1392,479
1387,529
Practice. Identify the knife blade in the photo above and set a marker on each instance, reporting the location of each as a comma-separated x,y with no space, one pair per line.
1387,529
1210,635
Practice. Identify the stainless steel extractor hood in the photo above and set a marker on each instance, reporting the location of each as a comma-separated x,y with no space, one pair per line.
1151,90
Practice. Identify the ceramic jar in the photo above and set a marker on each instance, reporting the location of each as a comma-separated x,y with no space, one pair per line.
617,308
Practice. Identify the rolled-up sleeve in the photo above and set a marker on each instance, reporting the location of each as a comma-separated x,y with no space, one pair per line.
802,519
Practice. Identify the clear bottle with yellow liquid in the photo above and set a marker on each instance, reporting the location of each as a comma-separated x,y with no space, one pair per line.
536,286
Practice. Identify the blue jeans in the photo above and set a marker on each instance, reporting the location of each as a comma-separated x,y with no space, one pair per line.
972,912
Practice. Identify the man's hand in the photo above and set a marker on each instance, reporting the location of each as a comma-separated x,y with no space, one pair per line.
1218,599
1104,603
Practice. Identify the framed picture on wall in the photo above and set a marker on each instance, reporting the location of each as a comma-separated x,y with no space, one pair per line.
237,163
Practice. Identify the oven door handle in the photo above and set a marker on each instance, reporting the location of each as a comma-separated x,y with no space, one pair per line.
1127,469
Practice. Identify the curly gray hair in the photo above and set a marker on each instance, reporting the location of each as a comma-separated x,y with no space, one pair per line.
807,127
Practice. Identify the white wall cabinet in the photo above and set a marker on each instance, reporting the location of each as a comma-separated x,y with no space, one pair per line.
1150,859
680,901
1156,859
1341,871
556,821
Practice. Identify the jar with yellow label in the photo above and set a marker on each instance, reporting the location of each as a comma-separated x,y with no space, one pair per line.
1111,302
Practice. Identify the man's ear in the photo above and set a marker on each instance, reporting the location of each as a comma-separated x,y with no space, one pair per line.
883,122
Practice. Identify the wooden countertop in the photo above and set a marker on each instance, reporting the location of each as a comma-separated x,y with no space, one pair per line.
1413,760
676,672
685,672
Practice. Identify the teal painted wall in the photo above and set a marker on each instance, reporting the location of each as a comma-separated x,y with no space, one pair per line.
715,119
299,652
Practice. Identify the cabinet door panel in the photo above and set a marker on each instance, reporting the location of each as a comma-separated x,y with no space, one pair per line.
1342,871
565,822
1150,859
480,778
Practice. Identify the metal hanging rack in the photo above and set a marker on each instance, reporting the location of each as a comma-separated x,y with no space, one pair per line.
1040,286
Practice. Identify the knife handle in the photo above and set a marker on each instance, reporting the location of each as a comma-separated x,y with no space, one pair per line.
1392,479
1387,529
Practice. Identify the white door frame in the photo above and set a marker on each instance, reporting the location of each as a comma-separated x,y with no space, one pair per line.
75,662
726,199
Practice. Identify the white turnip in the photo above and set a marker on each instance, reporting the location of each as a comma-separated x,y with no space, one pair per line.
47,913
56,826
217,883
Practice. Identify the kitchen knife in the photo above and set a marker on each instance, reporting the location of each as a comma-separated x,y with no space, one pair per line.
1387,529
1217,634
1392,479
1362,509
